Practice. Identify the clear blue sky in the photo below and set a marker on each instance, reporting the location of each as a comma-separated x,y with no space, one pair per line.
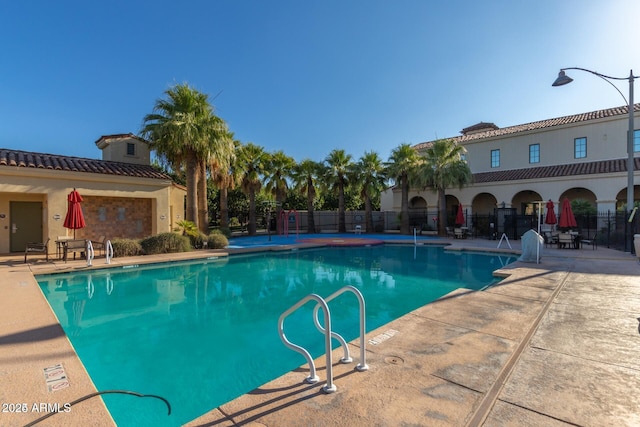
306,76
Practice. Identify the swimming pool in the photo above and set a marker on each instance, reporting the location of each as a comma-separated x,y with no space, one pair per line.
202,333
293,238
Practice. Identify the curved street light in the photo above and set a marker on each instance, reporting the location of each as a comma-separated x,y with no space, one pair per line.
563,79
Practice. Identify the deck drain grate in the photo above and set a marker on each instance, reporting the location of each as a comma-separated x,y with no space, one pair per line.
394,360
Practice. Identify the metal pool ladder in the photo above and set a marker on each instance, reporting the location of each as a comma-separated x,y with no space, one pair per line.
321,303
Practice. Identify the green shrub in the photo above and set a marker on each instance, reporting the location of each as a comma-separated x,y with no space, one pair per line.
225,231
217,240
126,247
197,240
234,222
165,243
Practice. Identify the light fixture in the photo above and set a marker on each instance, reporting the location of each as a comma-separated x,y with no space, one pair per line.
563,79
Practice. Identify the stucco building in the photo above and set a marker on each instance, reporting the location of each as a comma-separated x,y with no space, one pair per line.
582,156
123,195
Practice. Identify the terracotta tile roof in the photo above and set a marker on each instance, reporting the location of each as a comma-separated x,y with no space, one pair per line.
590,168
120,136
542,124
26,159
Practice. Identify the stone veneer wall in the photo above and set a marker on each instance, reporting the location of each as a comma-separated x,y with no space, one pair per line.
115,217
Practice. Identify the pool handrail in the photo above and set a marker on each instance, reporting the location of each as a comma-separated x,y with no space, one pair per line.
362,366
89,252
313,377
108,251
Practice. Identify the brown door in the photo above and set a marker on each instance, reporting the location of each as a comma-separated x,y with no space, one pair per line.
26,224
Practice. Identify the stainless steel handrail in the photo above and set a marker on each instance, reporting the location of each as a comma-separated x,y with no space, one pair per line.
362,366
313,377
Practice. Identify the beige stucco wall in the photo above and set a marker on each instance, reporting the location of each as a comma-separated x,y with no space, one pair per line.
606,139
52,187
115,149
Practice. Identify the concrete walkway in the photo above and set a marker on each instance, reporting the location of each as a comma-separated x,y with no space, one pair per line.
553,344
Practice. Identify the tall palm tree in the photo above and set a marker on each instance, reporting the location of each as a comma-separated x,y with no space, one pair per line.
177,130
225,178
401,167
339,168
277,171
372,178
219,150
251,162
304,176
443,167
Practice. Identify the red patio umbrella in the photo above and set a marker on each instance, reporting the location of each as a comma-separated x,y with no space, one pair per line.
74,219
550,218
567,220
460,216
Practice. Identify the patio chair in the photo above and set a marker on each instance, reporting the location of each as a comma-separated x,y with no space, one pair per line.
74,246
592,241
450,232
565,240
99,244
550,238
37,248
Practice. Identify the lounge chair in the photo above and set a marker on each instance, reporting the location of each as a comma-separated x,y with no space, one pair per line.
37,248
592,241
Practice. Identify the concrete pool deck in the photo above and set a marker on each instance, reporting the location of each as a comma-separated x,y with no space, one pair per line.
553,344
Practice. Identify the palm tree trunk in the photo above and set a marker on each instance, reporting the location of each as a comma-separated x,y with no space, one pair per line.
252,213
224,207
442,209
368,215
404,210
342,228
311,222
203,208
192,188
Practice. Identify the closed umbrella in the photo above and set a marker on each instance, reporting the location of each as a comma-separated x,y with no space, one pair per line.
459,216
74,219
567,220
550,218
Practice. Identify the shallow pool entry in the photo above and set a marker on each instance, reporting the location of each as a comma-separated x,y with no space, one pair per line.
202,333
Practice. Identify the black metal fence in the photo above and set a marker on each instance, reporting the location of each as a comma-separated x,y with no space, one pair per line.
610,229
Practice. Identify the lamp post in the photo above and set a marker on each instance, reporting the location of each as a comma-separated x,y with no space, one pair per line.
563,79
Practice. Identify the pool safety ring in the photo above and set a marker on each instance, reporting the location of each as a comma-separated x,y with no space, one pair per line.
343,241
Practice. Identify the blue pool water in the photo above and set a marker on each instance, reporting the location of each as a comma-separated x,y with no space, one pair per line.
202,333
292,238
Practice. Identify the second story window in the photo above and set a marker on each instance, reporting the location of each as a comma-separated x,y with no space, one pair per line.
534,153
636,141
580,148
131,149
495,158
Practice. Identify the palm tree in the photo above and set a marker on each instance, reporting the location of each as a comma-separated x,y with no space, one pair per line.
251,163
277,171
178,130
304,176
443,168
339,167
372,177
401,167
219,152
225,178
